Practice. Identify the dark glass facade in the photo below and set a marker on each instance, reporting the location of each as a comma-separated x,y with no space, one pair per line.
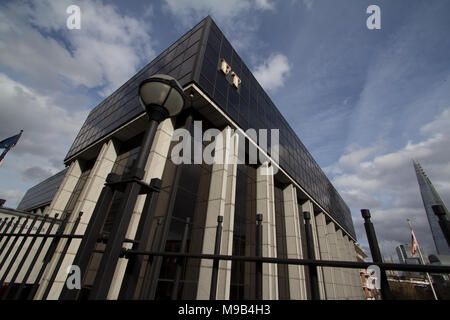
283,276
42,193
178,61
244,231
251,107
195,58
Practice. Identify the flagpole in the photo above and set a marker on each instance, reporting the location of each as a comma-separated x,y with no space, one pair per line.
423,262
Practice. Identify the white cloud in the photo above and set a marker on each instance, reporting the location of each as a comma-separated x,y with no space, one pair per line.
103,54
48,128
264,4
224,11
308,4
386,183
239,19
12,197
46,71
273,72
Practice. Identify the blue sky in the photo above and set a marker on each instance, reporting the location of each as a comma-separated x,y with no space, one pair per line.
364,102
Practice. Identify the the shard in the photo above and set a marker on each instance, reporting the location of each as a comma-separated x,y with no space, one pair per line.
431,197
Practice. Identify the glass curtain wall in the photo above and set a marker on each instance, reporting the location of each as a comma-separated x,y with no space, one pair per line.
283,276
243,273
190,198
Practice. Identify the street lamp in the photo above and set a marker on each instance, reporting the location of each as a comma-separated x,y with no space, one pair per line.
162,97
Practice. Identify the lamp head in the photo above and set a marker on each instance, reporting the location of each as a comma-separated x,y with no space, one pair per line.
163,94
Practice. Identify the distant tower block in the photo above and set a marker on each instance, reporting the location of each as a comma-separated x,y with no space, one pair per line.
431,197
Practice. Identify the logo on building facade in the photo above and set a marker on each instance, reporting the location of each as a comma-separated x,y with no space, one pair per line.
231,76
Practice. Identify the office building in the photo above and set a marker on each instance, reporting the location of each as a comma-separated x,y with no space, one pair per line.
223,94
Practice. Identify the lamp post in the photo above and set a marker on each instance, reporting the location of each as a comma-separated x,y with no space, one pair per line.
162,97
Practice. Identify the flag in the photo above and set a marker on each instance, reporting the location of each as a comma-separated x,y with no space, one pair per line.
8,144
414,244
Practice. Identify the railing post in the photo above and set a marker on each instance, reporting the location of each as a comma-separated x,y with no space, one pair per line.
375,252
180,261
443,222
35,258
215,268
24,258
61,257
19,248
3,223
135,262
48,255
13,242
150,281
315,293
258,253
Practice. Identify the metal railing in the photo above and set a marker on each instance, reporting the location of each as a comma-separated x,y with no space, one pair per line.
17,237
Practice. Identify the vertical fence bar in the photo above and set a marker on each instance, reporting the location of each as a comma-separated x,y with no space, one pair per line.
215,268
258,253
48,256
13,243
375,252
114,246
150,282
3,223
158,260
19,248
443,222
180,260
135,262
61,257
315,293
36,256
91,234
6,223
24,258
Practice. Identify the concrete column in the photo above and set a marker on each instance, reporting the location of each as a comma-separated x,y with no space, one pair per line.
334,254
86,203
265,204
154,168
221,201
308,206
65,189
325,254
226,248
297,279
342,250
358,292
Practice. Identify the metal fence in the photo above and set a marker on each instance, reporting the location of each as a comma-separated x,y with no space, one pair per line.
35,241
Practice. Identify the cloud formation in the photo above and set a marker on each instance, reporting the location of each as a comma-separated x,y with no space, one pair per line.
106,52
48,127
273,72
386,183
50,76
